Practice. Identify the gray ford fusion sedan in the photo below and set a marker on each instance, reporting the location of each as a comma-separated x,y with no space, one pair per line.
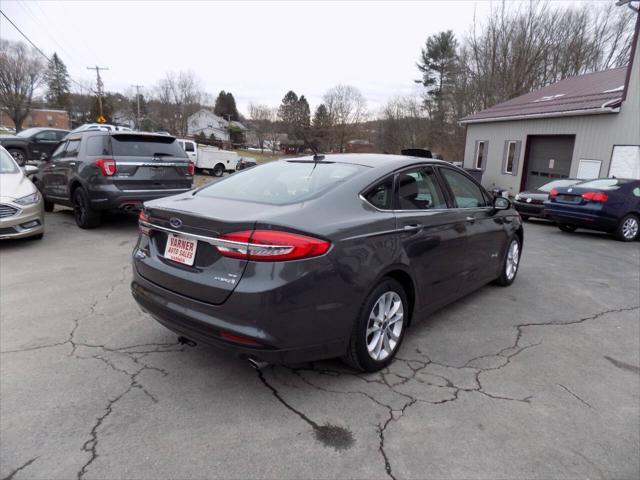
321,257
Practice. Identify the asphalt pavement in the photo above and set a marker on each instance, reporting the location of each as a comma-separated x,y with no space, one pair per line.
535,381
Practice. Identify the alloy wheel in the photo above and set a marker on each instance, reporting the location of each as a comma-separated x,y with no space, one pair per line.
385,325
513,258
79,207
630,228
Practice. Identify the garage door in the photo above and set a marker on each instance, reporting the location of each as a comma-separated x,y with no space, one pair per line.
548,158
625,161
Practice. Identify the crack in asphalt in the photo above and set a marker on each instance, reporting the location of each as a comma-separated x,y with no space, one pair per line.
20,468
577,397
420,365
134,353
330,435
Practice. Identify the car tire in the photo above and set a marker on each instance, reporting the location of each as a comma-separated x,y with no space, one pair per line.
18,155
48,206
218,170
85,216
628,229
567,228
510,264
369,353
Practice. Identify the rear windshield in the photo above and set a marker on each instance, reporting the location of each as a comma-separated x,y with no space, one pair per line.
283,182
604,183
146,146
547,187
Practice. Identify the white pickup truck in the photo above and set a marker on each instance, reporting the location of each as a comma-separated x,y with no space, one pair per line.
211,159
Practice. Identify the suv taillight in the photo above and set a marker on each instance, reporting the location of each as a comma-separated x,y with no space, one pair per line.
143,222
553,193
191,168
107,166
270,246
595,196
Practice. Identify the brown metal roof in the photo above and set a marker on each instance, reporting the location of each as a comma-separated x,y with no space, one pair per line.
589,93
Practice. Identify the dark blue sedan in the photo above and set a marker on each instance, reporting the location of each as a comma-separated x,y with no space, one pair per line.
606,204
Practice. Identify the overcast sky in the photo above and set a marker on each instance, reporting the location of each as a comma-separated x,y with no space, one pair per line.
256,50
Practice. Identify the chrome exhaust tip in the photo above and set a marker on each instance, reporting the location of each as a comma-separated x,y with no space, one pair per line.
257,364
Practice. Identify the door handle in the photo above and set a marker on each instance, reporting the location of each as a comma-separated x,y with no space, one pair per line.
412,227
471,219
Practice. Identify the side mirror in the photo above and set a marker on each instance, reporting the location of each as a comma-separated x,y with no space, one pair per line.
501,203
30,169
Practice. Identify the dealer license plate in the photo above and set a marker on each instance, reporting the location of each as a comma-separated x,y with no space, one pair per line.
180,249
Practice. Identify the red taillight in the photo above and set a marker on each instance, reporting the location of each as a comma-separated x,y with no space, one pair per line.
238,339
143,221
191,169
107,166
270,246
553,193
595,196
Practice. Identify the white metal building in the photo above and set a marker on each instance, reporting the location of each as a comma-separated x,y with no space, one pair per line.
586,126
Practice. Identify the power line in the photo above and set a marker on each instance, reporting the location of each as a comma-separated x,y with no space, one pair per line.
40,51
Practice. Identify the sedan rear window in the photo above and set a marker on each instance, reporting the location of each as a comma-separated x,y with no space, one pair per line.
146,146
604,183
283,182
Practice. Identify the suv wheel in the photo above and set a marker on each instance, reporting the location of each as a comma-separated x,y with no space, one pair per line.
85,216
18,155
379,329
628,228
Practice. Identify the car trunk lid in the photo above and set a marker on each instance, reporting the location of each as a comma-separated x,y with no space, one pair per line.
212,277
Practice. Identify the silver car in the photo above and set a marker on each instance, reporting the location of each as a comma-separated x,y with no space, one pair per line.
21,205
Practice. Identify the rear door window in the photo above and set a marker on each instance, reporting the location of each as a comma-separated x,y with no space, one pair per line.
72,148
146,146
466,193
381,195
418,189
189,147
283,182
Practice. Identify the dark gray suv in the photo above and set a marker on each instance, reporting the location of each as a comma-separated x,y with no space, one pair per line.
96,171
306,259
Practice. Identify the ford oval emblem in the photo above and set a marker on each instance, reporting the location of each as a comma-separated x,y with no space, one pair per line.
175,222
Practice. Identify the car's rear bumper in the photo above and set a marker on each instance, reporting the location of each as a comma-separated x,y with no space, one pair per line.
582,217
29,221
110,197
531,210
280,337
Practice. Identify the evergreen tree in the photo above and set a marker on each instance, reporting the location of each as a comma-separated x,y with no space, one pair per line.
438,64
287,110
57,80
225,106
303,113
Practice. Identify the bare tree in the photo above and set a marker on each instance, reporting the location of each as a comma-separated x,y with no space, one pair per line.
21,71
346,107
180,95
260,117
402,124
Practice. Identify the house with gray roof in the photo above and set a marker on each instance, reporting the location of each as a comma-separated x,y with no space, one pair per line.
587,126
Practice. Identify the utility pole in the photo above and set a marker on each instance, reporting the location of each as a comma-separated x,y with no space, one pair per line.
100,86
138,87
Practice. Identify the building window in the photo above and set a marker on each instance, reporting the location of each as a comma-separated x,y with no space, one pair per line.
480,154
511,157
